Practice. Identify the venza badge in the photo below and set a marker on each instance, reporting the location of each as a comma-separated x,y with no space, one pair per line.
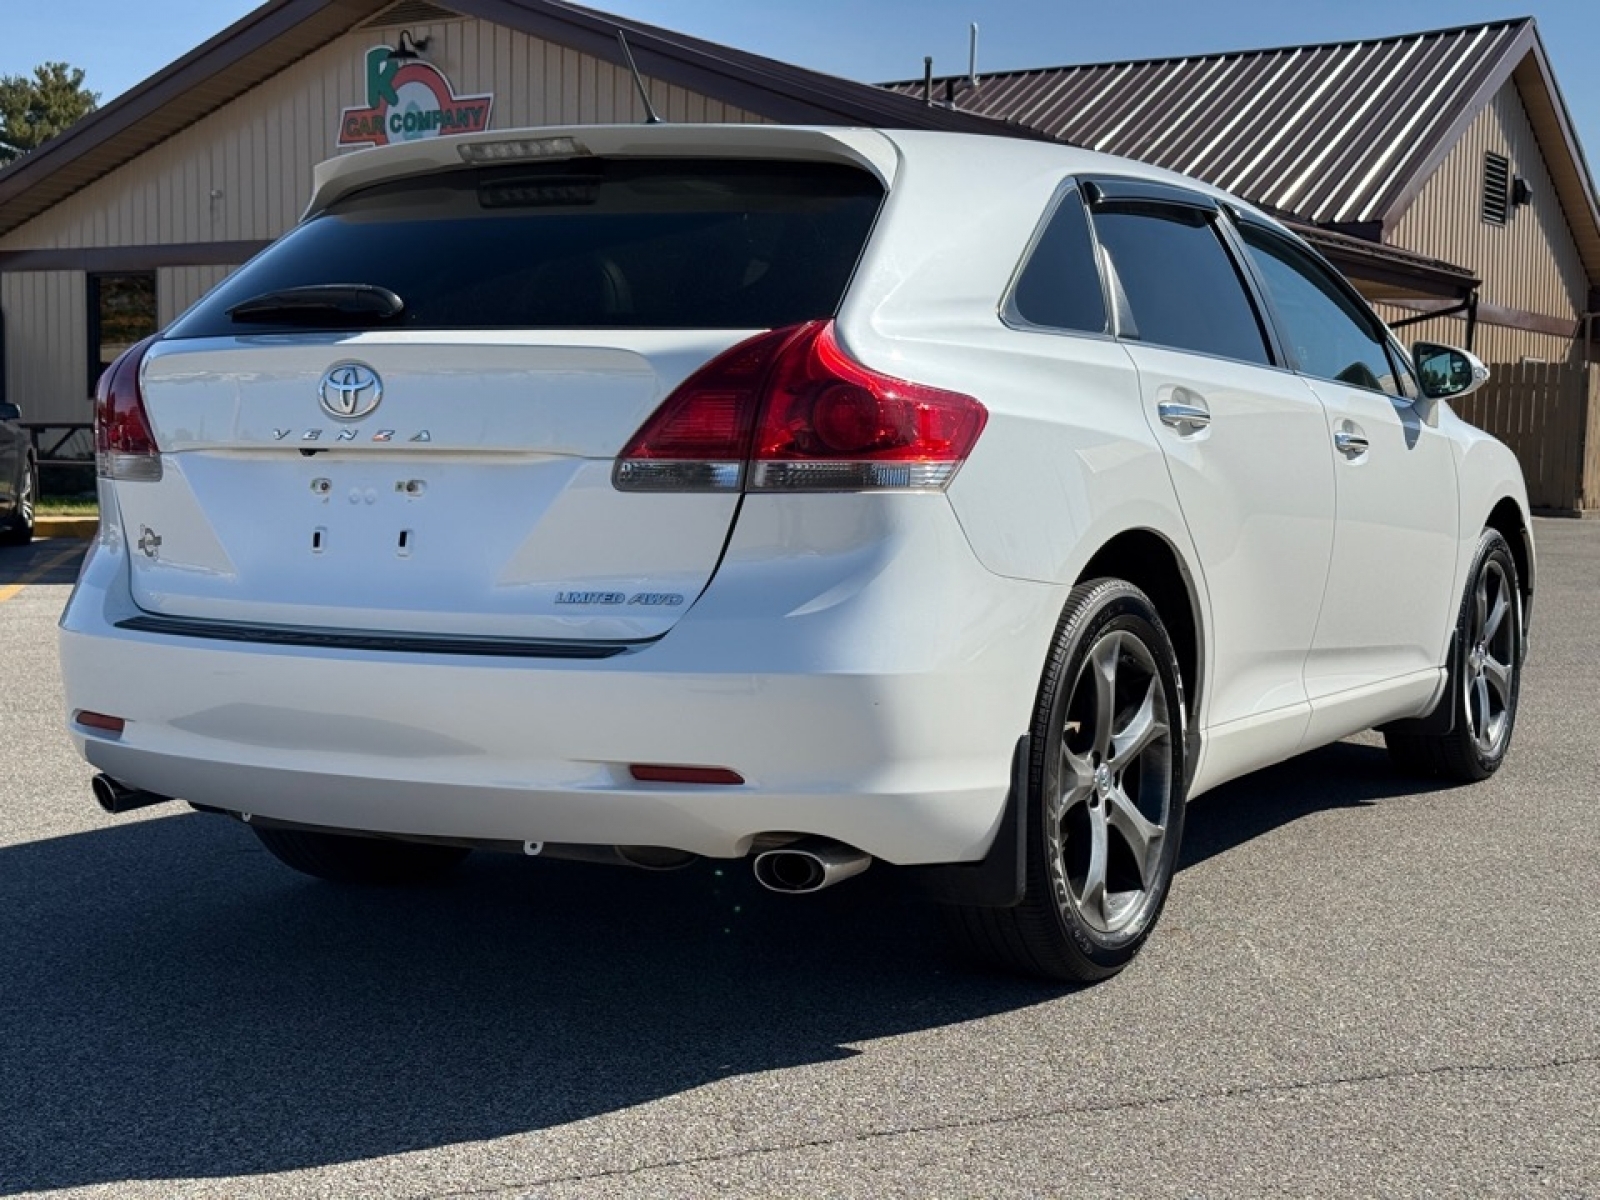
350,390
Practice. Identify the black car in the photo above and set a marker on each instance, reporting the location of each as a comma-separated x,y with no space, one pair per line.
19,478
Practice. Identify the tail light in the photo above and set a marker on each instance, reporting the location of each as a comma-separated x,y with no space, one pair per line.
790,411
124,447
699,439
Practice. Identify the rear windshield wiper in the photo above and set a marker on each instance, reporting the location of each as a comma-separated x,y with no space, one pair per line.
321,304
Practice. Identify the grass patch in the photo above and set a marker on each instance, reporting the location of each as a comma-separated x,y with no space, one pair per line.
67,506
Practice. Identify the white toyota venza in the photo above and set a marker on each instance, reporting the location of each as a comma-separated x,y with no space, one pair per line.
812,496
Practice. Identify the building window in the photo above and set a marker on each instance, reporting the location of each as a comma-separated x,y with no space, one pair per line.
122,311
1496,188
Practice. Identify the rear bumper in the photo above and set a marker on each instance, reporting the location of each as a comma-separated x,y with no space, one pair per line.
871,690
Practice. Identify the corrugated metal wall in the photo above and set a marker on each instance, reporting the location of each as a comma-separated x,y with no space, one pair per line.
1492,343
47,344
1531,262
1540,400
1589,493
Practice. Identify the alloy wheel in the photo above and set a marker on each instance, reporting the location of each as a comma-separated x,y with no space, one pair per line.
1108,823
1491,659
26,501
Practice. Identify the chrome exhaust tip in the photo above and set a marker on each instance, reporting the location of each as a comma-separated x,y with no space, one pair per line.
808,866
117,798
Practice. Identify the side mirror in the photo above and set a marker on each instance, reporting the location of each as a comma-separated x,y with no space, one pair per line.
1443,372
9,411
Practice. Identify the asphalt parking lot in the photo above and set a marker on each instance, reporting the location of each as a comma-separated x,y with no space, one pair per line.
1361,987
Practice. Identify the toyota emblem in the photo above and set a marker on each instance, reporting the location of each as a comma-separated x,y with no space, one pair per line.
350,390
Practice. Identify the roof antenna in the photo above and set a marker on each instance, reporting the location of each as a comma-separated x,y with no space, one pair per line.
972,56
652,117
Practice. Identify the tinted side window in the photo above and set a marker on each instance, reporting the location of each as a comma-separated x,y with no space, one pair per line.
1329,335
1059,287
1182,289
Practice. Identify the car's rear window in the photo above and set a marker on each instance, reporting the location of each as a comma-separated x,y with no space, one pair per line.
586,243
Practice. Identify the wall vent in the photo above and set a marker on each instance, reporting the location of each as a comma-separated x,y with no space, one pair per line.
410,12
1496,188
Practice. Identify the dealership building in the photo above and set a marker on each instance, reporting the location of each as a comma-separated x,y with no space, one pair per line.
1438,170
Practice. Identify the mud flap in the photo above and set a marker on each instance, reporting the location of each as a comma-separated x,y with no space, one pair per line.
1442,719
997,879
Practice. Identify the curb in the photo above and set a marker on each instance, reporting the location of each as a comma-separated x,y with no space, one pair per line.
65,527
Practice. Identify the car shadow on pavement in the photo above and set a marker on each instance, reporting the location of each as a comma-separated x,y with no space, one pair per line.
176,1005
1343,775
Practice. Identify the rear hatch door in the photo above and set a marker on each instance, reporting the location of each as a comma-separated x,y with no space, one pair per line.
441,464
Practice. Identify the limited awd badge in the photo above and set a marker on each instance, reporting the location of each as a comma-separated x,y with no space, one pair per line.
350,390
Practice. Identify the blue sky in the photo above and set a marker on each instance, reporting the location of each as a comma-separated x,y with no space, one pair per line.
118,44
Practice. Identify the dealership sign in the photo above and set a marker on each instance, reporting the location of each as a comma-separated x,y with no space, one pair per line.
408,99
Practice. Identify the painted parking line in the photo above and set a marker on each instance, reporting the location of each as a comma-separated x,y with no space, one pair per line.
39,572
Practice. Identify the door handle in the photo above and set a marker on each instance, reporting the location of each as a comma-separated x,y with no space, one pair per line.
1178,414
1350,443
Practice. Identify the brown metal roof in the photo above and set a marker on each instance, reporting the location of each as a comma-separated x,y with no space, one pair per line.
1340,135
1330,133
281,32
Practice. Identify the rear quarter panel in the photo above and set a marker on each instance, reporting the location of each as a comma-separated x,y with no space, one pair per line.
1067,459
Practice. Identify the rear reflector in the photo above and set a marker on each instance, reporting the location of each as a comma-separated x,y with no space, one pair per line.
124,447
657,773
788,410
100,721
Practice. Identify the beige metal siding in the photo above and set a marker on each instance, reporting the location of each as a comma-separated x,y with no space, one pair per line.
1540,398
46,317
179,287
244,172
1589,484
1531,262
1494,344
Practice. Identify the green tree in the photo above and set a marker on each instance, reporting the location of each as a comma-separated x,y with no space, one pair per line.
32,111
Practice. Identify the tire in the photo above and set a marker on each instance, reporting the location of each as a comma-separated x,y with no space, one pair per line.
18,529
340,858
1485,691
1104,824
